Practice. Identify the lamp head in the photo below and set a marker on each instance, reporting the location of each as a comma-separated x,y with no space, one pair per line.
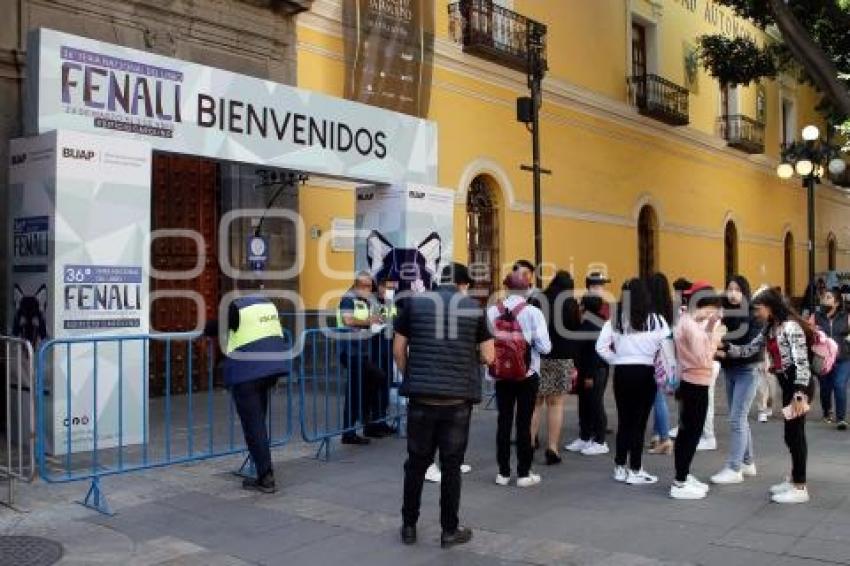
811,133
804,167
785,170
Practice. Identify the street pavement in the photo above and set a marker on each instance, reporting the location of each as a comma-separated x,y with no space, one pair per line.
345,511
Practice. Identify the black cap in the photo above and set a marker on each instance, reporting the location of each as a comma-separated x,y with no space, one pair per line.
596,278
455,273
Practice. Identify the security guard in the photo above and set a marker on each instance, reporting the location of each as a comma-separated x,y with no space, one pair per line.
254,362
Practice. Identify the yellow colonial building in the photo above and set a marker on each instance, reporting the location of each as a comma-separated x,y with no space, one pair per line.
646,173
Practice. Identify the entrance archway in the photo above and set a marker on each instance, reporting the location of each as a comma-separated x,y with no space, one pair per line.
647,241
482,233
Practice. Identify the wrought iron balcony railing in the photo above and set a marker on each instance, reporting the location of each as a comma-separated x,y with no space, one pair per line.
497,34
659,98
742,132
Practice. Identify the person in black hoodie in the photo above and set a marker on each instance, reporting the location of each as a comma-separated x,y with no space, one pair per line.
742,377
592,379
834,321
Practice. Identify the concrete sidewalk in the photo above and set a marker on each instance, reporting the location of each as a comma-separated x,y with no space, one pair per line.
347,510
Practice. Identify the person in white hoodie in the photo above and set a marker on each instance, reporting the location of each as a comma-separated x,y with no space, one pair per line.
629,342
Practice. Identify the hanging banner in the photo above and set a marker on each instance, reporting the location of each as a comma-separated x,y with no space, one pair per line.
389,47
80,84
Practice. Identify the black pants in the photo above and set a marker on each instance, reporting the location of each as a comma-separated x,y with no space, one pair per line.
795,432
693,408
634,392
430,427
592,420
252,402
519,397
363,378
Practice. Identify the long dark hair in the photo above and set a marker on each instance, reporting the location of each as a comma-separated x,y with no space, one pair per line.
734,321
561,283
635,296
744,285
662,300
780,312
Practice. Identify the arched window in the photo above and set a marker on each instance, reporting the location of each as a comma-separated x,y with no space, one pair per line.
730,250
832,252
482,233
647,241
789,264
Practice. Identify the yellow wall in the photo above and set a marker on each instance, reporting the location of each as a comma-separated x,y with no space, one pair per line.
606,159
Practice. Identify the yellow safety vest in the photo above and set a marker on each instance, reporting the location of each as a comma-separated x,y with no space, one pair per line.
258,319
361,312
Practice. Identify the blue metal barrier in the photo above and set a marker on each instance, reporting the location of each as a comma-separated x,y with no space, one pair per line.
347,380
108,423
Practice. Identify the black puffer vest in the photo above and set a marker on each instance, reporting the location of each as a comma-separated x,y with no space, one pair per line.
443,360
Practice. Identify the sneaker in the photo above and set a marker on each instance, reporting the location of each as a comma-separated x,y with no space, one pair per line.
465,468
265,484
664,448
595,449
793,495
502,480
686,491
781,487
433,474
693,481
842,425
763,416
620,473
727,476
530,480
749,470
408,534
674,432
828,418
641,477
461,535
576,445
707,444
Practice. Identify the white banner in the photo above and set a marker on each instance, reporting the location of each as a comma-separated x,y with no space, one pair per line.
85,85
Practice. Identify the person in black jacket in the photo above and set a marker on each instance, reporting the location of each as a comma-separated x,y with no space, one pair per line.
592,379
441,340
742,378
833,320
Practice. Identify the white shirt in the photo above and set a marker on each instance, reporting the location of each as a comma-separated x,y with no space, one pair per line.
632,347
533,325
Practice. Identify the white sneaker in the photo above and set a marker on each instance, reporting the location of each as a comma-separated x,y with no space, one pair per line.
576,445
749,470
530,480
781,487
793,495
640,478
707,444
595,449
674,432
763,417
620,474
694,482
727,476
687,491
433,474
465,468
502,480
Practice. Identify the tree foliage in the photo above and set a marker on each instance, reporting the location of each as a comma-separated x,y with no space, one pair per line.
737,61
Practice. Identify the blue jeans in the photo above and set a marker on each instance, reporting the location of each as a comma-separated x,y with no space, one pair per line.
662,416
835,383
741,386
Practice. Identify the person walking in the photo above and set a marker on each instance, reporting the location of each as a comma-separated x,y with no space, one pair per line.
253,362
592,380
741,376
441,339
521,336
662,304
786,338
630,343
697,335
834,322
557,368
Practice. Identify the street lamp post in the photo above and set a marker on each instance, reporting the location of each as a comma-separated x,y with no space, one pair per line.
810,159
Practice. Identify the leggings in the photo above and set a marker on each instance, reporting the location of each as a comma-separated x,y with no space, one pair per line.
634,393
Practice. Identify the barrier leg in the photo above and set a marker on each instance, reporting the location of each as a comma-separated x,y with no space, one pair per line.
96,499
324,446
247,469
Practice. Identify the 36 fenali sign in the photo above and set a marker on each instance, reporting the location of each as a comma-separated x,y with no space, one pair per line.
86,85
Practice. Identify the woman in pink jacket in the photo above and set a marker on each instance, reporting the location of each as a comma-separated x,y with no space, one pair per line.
697,335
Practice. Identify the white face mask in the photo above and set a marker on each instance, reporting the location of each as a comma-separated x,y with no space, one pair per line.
389,294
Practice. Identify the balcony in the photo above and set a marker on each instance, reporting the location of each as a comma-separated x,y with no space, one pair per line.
659,98
742,132
494,33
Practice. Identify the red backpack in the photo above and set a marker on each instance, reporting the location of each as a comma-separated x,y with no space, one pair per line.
512,350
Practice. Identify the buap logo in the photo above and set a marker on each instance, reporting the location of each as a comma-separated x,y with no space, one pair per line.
76,421
416,194
78,153
366,196
19,159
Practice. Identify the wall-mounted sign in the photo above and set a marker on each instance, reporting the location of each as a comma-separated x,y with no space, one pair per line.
258,252
85,85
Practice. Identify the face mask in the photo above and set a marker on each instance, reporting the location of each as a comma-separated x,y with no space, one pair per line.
389,294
